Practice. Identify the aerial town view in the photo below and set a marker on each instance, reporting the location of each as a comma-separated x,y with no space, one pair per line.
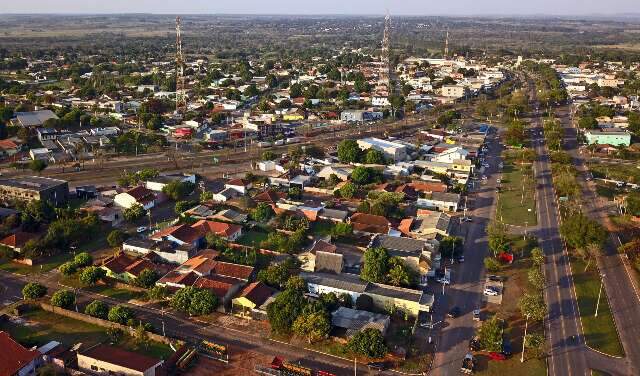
363,187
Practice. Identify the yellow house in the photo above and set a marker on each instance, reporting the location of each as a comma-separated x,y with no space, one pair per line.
462,165
251,298
293,117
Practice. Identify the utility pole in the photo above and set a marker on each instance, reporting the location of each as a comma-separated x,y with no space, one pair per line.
524,338
599,294
446,45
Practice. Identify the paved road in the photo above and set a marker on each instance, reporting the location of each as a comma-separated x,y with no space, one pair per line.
467,278
621,288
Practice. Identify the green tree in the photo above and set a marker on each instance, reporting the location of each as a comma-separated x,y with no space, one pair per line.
133,213
536,277
268,155
537,256
588,122
183,206
37,165
342,230
535,342
277,275
83,259
533,305
120,314
97,309
368,342
490,334
262,213
116,238
63,299
157,293
364,302
147,278
177,190
491,264
375,265
374,156
349,151
91,275
362,175
578,231
285,309
194,301
69,268
498,238
34,290
313,326
348,190
399,274
451,246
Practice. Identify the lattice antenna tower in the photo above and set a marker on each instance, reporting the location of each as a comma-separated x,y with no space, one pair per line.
181,95
386,51
446,45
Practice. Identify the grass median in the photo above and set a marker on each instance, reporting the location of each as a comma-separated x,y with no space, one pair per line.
516,203
600,332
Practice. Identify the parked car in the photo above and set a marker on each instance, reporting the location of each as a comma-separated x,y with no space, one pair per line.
476,315
377,366
495,278
444,281
506,347
141,229
454,312
460,259
490,292
474,344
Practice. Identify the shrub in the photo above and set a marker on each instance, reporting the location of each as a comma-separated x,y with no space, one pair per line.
91,275
63,299
34,290
97,309
368,342
116,238
68,268
120,314
83,259
492,265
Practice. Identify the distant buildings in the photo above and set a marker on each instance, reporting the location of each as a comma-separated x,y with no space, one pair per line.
360,116
34,118
31,188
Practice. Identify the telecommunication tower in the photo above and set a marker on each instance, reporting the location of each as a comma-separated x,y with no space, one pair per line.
385,75
446,45
181,95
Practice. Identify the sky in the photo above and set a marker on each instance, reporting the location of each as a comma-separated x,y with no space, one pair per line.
308,7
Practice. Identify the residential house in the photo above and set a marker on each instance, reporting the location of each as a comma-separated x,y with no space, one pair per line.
369,224
136,195
454,91
442,201
127,268
417,255
159,182
34,118
342,172
17,240
182,235
428,225
239,185
333,215
40,154
165,250
9,148
110,360
452,154
225,195
226,231
16,360
394,151
251,299
357,320
383,296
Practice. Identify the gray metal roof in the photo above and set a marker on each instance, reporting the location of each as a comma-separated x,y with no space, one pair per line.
328,262
35,118
394,292
357,320
346,282
35,183
395,243
445,197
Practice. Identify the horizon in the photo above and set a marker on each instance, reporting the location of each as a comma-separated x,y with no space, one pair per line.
416,8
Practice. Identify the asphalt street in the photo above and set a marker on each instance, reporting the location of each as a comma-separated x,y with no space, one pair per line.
465,291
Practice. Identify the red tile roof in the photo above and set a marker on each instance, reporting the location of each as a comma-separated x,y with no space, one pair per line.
238,182
118,263
370,223
17,240
218,285
428,186
120,357
219,228
8,144
175,277
184,233
405,226
140,193
257,293
237,271
13,356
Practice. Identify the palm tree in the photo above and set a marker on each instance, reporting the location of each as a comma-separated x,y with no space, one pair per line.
588,253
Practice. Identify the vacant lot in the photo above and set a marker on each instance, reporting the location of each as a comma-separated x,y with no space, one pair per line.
516,203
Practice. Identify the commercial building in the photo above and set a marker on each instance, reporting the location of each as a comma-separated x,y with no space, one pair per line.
110,360
30,188
613,137
454,91
360,116
34,118
391,150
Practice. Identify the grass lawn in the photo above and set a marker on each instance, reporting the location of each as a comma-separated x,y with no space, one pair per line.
252,238
50,264
49,326
116,293
616,172
512,366
600,332
511,209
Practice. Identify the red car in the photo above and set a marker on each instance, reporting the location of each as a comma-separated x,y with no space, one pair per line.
497,356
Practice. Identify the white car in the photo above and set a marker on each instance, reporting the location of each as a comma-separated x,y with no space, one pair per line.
490,292
498,181
141,229
443,281
484,177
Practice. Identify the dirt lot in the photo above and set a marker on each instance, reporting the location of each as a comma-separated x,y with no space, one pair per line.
242,363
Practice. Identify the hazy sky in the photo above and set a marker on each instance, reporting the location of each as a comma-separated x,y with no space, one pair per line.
407,7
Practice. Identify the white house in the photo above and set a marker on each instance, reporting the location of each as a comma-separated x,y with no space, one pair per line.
391,150
238,185
158,183
452,154
139,194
